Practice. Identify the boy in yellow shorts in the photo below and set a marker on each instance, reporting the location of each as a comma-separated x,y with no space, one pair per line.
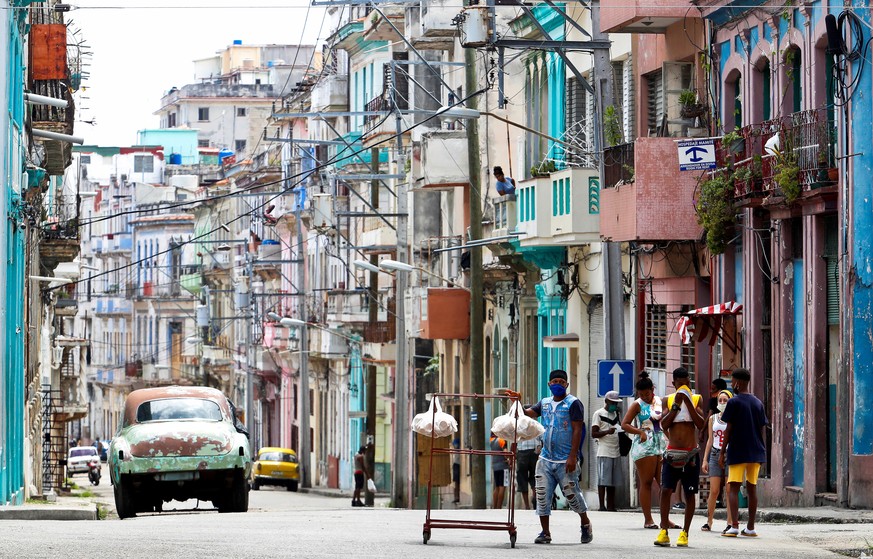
744,440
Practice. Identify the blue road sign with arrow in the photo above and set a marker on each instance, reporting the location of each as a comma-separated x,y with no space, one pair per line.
615,375
696,155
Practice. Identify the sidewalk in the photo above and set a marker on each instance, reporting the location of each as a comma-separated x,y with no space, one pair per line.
80,504
340,493
812,515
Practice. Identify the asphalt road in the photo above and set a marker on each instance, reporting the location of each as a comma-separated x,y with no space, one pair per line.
284,524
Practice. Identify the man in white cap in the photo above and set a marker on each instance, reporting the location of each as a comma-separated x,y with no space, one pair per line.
604,429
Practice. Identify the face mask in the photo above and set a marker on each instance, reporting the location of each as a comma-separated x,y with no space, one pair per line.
612,407
558,390
721,407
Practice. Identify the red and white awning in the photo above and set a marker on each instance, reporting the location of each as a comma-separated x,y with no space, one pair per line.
700,324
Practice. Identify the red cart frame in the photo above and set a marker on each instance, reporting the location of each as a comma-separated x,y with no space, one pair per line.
430,523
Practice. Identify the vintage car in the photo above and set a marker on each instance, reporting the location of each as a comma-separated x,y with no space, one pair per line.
179,443
276,466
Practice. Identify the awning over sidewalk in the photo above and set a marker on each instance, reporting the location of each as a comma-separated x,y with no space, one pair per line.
705,324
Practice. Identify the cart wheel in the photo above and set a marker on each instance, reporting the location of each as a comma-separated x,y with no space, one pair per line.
425,536
512,537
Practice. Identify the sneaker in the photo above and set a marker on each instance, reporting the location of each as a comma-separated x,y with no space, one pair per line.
749,533
663,539
682,540
543,538
731,532
679,506
587,533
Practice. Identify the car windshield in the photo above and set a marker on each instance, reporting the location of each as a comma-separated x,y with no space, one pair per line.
172,409
86,451
278,457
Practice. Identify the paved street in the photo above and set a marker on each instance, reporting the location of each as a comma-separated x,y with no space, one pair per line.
282,524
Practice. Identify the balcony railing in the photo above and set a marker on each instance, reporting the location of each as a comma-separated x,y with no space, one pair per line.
379,332
353,306
618,165
62,221
806,142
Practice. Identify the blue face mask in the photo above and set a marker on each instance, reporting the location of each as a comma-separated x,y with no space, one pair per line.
558,390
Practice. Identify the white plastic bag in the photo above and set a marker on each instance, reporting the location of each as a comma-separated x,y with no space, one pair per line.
439,424
504,426
371,485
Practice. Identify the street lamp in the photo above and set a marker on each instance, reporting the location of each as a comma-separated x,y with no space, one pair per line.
364,265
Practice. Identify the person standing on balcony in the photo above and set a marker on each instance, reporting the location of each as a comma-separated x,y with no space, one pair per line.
505,185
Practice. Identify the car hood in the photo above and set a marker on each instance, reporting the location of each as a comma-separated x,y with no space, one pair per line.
172,438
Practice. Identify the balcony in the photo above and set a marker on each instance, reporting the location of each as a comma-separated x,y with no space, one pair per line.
534,215
108,306
66,305
60,235
381,240
643,16
351,307
505,216
50,76
434,30
445,314
117,243
348,36
442,162
650,187
807,141
326,344
331,93
380,332
377,29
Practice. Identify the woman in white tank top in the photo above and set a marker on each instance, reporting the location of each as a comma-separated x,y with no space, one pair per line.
710,466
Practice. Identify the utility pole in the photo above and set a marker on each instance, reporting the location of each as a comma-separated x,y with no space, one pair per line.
250,396
303,445
613,292
477,309
402,431
372,318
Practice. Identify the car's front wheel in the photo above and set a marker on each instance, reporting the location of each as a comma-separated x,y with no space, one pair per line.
124,502
292,486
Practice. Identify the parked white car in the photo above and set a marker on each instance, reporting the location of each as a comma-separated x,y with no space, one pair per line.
78,458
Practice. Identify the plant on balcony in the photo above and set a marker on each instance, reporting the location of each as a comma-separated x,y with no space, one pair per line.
715,210
612,131
689,107
543,169
734,142
787,175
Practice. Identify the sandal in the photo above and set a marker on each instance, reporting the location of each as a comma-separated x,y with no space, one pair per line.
705,528
726,528
651,526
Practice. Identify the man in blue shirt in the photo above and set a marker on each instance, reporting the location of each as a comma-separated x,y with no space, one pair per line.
744,440
505,185
564,419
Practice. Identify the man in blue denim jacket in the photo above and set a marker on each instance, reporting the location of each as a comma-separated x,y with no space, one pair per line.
563,416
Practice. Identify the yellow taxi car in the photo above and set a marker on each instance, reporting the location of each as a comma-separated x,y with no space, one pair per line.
276,466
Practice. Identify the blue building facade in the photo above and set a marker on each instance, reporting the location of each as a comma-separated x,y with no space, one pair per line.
12,145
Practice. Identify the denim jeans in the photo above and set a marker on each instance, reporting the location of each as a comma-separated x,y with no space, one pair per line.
548,476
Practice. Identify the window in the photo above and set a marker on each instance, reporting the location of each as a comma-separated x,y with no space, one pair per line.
143,164
654,100
85,159
240,111
240,145
203,114
578,124
171,120
202,143
663,90
656,337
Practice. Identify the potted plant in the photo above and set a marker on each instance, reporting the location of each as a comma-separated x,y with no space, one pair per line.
734,142
544,169
715,210
787,175
689,107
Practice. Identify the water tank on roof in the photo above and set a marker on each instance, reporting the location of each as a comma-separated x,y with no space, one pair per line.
223,154
175,159
237,41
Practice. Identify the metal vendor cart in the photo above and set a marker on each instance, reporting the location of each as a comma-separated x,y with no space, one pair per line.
430,523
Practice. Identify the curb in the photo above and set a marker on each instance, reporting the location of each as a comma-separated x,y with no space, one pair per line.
788,517
39,512
334,493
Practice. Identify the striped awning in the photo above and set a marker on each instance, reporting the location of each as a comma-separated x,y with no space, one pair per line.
705,323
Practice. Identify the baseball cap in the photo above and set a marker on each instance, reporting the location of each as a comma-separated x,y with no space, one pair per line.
613,396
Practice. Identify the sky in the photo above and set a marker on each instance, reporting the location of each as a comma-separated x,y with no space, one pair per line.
141,48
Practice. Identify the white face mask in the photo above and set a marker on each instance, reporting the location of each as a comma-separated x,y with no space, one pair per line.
721,407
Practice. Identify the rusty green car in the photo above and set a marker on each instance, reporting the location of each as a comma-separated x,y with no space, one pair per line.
179,443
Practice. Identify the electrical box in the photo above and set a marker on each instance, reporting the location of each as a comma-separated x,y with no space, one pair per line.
322,211
475,29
